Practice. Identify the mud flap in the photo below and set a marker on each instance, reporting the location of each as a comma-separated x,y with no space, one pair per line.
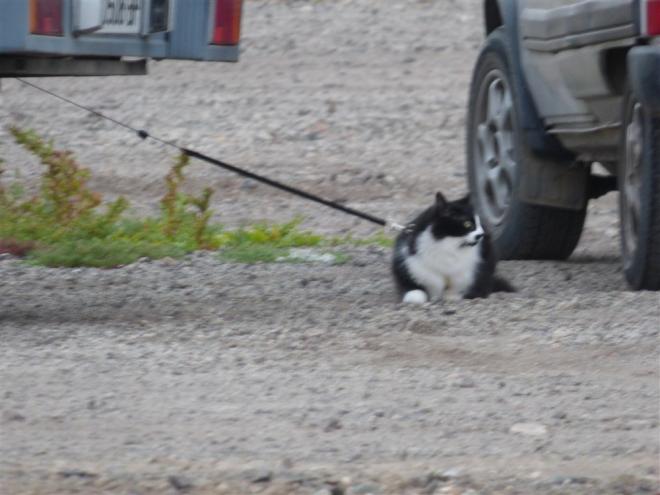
558,185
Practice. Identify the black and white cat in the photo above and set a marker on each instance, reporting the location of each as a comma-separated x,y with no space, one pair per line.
445,250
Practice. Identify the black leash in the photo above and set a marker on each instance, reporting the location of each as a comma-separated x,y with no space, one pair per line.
284,187
143,134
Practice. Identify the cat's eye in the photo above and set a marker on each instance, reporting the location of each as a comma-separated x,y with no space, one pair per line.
468,225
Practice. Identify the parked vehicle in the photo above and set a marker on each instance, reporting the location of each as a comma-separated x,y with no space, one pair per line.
558,86
94,37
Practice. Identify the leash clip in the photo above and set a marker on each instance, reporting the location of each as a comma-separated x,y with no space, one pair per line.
397,227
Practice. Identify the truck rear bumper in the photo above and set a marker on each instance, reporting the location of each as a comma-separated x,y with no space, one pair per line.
644,73
18,66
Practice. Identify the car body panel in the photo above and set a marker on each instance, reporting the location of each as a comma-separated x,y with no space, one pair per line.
562,49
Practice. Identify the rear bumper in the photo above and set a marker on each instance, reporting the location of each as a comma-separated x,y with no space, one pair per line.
644,74
17,66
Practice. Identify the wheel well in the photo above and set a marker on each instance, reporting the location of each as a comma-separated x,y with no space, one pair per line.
615,68
493,16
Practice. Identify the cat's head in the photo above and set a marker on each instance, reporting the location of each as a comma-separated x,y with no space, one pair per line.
456,219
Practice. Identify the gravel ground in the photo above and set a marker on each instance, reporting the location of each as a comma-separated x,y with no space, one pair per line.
202,376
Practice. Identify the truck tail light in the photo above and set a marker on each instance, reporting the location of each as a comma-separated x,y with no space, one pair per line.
227,22
46,17
653,17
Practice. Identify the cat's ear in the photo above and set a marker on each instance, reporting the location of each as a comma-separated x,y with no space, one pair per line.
440,201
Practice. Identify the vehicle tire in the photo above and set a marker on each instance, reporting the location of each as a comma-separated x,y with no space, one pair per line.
496,159
639,197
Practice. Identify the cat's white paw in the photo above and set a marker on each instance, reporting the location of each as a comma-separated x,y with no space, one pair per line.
415,297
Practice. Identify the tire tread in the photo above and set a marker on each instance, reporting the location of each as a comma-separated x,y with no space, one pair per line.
547,233
651,280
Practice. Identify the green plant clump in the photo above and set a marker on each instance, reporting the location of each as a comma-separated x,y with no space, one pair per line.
65,223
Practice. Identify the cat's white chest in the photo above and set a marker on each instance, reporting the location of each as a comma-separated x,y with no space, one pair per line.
442,266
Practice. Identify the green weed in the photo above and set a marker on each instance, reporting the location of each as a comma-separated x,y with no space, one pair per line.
65,208
379,239
66,224
177,214
100,253
286,235
266,243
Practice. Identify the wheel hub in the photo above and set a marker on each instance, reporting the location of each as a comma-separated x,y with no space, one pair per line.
632,180
494,147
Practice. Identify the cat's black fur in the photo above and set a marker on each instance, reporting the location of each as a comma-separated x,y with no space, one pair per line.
453,227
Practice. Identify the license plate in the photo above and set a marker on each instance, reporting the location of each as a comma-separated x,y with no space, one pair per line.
122,17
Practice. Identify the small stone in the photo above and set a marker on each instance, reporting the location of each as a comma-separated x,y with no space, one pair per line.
364,489
248,184
429,483
222,489
561,333
530,429
569,480
627,483
180,482
570,305
422,327
264,136
10,416
453,472
262,476
76,473
459,380
338,490
338,487
307,255
333,425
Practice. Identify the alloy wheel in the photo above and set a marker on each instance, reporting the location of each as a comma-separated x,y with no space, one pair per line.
634,142
494,146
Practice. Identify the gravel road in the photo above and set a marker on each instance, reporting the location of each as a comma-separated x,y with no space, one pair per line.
201,376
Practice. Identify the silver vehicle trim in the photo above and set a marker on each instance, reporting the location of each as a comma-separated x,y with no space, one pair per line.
604,127
643,20
572,26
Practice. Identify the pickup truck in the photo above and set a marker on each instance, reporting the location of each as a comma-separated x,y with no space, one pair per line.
113,37
559,86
